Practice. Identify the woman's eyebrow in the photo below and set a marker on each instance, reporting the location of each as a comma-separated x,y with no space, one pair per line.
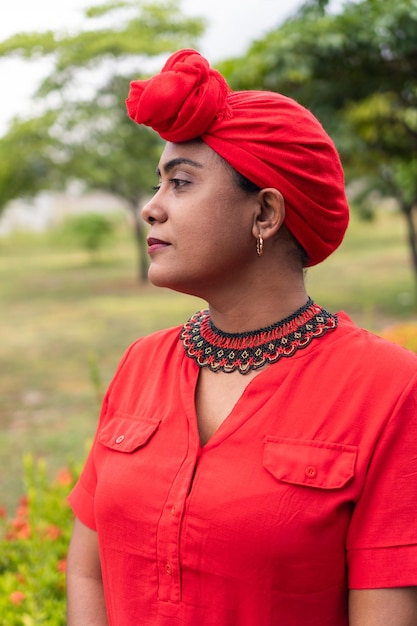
169,165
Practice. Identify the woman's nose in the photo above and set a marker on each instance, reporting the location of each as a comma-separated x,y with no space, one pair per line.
153,212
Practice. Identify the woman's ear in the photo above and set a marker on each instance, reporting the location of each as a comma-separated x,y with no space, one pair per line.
271,213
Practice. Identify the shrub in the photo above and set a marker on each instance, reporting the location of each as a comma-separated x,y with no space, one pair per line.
90,231
404,334
33,549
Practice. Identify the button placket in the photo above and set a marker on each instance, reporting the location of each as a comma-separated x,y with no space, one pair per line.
169,534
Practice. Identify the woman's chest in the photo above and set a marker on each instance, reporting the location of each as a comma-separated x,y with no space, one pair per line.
216,395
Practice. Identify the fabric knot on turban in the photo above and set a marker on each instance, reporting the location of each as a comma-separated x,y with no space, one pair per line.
267,137
182,101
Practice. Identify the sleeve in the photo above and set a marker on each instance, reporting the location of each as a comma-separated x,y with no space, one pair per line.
382,538
81,498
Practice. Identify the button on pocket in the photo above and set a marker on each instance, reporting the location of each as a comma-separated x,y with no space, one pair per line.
320,464
310,471
127,434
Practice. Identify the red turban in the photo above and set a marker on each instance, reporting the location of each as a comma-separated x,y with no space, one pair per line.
267,137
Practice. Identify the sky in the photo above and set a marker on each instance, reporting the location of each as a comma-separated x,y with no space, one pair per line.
232,26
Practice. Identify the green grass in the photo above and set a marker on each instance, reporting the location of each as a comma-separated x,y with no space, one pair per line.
65,322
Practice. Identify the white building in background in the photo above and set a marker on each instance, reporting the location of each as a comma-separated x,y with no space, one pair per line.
49,209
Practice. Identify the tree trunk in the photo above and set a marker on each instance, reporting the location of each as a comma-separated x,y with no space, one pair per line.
139,232
409,211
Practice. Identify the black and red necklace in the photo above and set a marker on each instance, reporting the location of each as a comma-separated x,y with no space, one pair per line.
228,352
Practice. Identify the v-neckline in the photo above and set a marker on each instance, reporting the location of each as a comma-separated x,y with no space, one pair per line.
217,396
258,393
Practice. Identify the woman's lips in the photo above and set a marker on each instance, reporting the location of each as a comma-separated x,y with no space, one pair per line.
155,244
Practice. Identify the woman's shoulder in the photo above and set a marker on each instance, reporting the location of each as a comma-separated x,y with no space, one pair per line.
149,357
368,347
159,342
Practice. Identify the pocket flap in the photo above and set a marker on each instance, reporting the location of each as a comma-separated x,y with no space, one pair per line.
319,464
126,434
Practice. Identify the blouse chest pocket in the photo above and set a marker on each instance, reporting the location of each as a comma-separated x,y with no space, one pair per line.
127,434
319,464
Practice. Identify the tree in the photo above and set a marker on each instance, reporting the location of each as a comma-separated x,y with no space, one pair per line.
24,161
83,131
357,71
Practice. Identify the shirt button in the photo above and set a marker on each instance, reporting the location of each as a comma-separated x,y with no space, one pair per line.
310,471
173,510
168,569
120,438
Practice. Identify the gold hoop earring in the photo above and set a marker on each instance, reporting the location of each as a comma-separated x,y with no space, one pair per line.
259,245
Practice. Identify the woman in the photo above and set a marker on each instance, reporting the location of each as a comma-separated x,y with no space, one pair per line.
256,467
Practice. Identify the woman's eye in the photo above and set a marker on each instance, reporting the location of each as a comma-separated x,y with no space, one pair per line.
178,182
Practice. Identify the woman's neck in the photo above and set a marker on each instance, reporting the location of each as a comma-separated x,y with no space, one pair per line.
252,313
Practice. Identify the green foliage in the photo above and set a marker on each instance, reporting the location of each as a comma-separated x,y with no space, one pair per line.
29,45
33,549
91,231
329,61
27,159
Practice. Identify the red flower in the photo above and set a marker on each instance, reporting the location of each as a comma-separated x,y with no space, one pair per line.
64,477
62,566
22,511
24,532
53,532
17,597
19,529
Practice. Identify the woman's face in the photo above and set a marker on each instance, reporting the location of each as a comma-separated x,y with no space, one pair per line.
201,225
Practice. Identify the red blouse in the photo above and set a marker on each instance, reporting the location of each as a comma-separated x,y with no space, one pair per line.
308,488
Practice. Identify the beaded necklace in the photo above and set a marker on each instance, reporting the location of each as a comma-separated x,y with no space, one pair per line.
210,347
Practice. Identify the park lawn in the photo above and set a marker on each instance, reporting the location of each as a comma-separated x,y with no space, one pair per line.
66,320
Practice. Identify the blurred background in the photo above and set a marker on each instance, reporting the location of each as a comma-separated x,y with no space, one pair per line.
75,171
